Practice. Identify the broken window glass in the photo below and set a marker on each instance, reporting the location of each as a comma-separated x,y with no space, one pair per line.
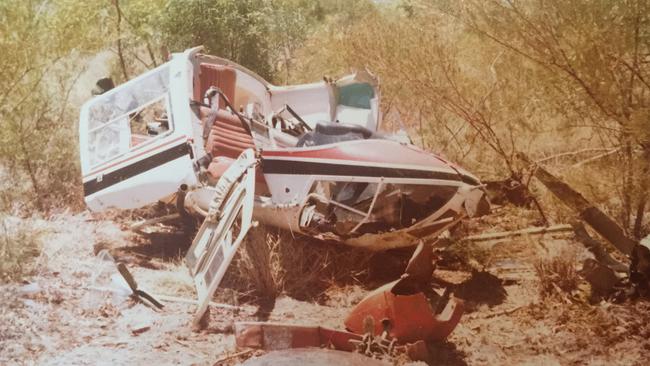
355,208
149,122
128,116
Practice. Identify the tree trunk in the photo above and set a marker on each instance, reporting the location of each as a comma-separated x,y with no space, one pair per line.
120,53
642,194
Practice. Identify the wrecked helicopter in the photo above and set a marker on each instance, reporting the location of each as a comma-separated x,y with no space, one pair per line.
230,148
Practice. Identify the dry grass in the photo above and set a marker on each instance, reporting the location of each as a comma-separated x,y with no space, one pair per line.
174,281
558,274
467,255
20,244
273,262
257,265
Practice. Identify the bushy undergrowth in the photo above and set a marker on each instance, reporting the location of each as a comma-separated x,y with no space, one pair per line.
273,262
557,275
20,244
455,83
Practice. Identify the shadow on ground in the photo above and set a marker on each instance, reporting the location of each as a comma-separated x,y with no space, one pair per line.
445,354
481,288
153,249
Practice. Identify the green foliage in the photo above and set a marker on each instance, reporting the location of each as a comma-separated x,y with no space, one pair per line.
236,30
259,34
38,68
47,46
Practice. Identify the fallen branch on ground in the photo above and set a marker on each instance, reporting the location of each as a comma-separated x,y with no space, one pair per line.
527,231
499,313
168,298
192,301
234,355
138,226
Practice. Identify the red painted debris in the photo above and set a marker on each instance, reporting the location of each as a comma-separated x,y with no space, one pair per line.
408,318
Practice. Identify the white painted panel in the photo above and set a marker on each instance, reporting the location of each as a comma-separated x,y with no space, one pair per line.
311,101
145,179
356,116
145,188
223,230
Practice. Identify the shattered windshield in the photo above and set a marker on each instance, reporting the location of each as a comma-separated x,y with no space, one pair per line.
131,115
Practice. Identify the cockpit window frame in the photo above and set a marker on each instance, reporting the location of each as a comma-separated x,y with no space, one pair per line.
164,74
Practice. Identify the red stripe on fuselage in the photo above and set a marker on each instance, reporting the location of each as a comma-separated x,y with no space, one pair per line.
372,151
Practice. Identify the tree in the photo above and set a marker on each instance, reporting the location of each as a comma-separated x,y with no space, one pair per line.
481,81
595,54
42,42
236,30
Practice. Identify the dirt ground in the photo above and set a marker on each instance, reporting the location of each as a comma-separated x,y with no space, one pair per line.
61,315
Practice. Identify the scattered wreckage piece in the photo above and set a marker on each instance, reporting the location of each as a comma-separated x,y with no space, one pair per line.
374,346
295,338
409,309
604,225
314,357
399,317
640,268
137,294
407,317
596,248
229,219
600,277
509,190
277,336
596,218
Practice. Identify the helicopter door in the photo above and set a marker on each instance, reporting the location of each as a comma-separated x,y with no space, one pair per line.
229,219
133,151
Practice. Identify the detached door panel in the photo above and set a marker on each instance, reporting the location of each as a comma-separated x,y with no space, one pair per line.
223,230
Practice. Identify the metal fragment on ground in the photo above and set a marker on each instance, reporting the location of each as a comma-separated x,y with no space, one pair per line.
411,317
314,357
275,336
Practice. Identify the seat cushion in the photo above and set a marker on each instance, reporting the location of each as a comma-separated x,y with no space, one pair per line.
223,77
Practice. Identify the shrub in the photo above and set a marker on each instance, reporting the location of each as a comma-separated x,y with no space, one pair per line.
19,245
557,275
271,262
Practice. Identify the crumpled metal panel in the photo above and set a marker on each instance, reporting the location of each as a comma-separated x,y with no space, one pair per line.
410,318
420,267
